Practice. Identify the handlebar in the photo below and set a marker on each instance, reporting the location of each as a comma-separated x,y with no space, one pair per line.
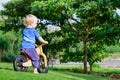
43,44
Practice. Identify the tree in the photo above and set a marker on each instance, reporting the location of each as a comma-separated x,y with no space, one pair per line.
98,23
15,10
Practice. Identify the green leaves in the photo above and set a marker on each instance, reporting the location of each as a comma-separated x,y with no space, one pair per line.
52,9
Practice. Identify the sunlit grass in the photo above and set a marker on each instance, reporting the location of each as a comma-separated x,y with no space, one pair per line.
7,73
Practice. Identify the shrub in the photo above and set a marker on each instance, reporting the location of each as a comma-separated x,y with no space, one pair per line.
9,57
96,65
112,49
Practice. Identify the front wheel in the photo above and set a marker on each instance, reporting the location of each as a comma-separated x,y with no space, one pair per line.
17,64
42,68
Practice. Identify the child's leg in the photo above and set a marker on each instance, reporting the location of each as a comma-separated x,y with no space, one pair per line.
35,62
34,57
35,65
35,71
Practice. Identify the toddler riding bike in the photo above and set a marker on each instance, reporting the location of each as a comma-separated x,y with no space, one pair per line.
23,61
31,56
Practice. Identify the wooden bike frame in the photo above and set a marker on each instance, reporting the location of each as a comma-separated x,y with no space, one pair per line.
39,52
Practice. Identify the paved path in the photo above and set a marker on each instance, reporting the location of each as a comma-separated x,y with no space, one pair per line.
108,63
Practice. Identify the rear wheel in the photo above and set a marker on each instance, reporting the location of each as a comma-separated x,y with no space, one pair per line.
17,64
42,68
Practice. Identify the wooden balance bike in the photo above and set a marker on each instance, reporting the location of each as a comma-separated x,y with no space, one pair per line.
23,61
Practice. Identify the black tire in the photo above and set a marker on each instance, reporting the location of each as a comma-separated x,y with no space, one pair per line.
17,64
42,68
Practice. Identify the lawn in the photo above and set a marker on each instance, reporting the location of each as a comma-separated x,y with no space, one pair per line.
7,73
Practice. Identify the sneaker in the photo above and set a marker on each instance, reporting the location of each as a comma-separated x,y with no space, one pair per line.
36,72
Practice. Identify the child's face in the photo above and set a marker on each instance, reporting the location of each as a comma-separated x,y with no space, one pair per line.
34,24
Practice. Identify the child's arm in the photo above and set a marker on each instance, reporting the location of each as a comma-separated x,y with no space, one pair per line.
42,40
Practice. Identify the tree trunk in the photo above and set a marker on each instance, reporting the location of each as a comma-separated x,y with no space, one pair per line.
12,47
1,53
90,67
85,55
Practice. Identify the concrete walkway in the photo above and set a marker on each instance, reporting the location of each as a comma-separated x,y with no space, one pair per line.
114,63
107,63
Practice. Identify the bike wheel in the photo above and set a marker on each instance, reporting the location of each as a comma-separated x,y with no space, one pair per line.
17,64
42,68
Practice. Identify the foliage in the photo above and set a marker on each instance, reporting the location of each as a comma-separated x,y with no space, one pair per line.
15,10
8,57
112,48
9,43
58,9
73,53
4,44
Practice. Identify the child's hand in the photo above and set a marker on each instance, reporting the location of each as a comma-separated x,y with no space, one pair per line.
46,42
43,41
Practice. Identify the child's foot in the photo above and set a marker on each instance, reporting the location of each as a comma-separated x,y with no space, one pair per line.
35,72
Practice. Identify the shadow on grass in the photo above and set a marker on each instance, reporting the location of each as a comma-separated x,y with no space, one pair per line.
78,76
6,68
88,77
30,69
80,71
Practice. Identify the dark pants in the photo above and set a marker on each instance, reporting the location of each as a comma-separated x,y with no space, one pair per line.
31,52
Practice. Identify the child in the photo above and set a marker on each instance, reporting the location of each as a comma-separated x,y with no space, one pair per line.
29,35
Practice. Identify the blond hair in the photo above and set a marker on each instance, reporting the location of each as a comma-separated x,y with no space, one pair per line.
29,19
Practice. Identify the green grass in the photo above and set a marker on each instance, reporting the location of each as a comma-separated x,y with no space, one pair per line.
7,73
107,70
79,69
